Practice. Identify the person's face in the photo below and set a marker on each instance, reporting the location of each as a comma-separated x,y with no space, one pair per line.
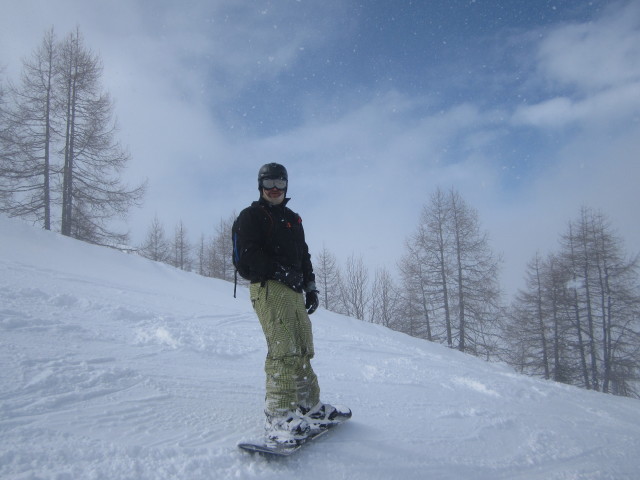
272,193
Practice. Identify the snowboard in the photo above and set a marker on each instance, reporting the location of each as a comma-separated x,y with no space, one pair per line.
285,451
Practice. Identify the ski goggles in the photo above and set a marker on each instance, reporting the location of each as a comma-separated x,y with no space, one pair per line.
269,183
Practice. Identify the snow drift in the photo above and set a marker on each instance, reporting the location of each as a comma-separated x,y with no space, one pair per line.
115,367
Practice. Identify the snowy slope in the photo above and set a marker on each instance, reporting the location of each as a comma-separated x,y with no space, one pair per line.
115,367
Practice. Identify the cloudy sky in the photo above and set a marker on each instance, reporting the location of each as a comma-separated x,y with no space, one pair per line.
530,109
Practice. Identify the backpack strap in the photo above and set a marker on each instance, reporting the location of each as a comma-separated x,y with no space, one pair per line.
235,282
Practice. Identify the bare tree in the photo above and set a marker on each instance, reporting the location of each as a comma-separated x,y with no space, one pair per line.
6,154
415,310
355,288
59,149
327,278
202,256
554,281
578,319
571,263
181,248
156,246
219,251
532,333
475,275
452,273
92,190
605,303
224,247
385,300
434,243
29,136
211,259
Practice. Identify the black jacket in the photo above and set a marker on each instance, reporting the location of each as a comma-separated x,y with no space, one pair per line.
272,246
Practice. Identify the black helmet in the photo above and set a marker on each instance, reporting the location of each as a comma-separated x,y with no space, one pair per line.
272,170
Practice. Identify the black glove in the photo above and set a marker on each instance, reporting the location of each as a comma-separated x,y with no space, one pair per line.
311,303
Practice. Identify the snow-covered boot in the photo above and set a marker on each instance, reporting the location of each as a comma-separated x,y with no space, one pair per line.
286,429
322,415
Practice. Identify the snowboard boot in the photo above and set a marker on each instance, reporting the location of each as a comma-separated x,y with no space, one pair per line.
286,429
323,415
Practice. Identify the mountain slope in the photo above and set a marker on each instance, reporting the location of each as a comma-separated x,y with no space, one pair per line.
115,367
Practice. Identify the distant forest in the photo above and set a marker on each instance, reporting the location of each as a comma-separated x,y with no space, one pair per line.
576,321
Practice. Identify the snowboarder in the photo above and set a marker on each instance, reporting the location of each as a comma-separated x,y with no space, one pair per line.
271,252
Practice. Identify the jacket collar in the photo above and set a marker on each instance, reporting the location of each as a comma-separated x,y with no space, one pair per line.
264,203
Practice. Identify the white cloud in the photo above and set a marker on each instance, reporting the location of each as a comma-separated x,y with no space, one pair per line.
600,108
592,74
594,55
596,66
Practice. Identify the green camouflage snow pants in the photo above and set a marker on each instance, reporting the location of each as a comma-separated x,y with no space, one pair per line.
287,329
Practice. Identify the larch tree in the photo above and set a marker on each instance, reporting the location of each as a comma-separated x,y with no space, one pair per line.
60,155
450,265
355,288
30,127
327,278
156,247
577,320
93,192
181,248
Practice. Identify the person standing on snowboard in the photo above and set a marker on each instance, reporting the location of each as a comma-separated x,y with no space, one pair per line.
271,252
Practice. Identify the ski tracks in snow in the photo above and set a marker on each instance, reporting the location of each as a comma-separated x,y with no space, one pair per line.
61,373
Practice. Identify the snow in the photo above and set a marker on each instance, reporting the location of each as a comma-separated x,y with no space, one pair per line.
116,367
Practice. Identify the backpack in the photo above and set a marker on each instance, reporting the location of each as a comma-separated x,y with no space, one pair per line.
238,249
